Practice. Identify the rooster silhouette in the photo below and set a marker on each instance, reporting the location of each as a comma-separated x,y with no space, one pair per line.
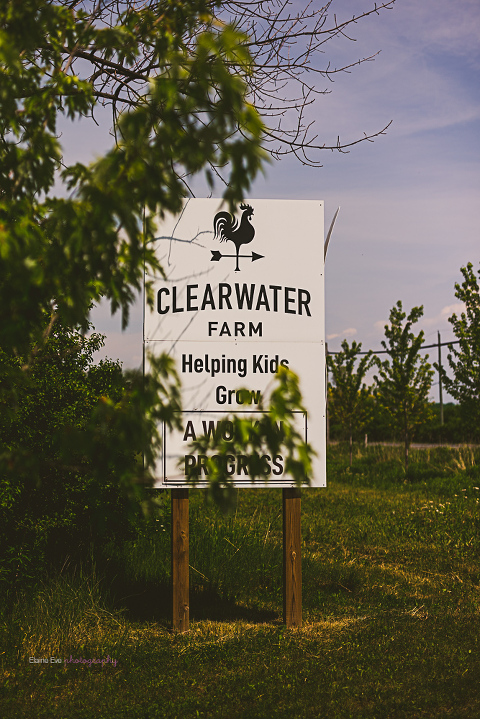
228,228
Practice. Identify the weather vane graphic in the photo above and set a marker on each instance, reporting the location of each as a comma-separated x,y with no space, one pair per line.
227,228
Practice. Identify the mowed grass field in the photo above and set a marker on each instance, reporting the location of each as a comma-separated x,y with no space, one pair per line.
391,608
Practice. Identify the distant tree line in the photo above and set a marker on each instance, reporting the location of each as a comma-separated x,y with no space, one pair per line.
396,406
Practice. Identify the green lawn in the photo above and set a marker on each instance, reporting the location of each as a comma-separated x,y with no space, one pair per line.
391,597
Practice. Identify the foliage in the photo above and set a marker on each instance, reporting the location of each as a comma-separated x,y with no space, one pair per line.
405,379
274,435
69,452
58,255
349,395
464,360
62,254
454,430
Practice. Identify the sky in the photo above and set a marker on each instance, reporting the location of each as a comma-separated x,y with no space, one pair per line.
410,201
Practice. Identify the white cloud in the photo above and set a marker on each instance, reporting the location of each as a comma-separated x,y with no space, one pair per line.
441,319
440,25
415,81
349,332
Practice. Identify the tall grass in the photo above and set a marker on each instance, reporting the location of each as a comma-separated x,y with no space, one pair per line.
64,614
228,554
391,606
361,535
435,468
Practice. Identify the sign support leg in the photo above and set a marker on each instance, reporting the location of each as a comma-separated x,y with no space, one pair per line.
292,559
180,574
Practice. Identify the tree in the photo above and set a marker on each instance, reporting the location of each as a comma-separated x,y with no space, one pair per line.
58,255
405,379
57,500
464,360
285,41
349,393
92,244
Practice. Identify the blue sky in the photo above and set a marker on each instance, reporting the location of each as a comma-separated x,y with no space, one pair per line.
410,202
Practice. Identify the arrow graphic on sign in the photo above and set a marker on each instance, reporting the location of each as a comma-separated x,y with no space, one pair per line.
217,256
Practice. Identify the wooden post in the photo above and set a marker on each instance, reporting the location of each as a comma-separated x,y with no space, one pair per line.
440,377
180,574
292,559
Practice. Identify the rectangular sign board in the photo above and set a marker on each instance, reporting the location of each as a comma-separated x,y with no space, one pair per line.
243,295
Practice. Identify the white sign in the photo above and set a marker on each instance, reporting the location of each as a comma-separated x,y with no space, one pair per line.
243,296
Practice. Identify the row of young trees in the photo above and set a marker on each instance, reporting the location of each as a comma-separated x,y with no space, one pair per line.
396,405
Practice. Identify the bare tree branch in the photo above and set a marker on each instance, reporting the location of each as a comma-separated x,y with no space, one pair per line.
286,41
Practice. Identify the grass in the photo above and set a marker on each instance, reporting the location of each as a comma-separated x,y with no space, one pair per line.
391,599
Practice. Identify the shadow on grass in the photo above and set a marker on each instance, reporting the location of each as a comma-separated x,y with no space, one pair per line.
152,602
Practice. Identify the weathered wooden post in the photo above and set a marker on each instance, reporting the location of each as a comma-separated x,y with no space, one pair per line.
292,558
440,377
180,566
